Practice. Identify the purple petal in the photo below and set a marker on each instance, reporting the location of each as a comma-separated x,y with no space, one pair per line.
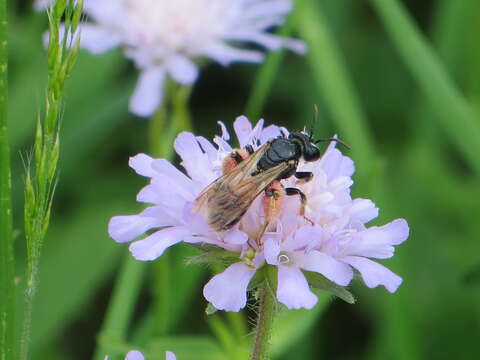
128,227
374,274
154,245
331,268
142,164
165,167
170,356
236,237
228,290
182,69
303,237
149,92
335,164
378,241
362,210
243,129
271,250
134,355
293,290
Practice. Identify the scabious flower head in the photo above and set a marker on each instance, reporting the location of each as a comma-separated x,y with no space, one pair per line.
330,239
165,38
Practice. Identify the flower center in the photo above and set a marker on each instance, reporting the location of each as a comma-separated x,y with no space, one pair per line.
284,258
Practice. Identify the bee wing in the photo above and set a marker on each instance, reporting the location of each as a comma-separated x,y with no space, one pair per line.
224,201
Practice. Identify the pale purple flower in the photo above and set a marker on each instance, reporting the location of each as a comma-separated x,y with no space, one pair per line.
165,38
331,239
137,355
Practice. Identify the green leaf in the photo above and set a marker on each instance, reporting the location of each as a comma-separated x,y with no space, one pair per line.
291,326
320,282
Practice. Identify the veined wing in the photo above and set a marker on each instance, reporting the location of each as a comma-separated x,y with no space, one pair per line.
225,201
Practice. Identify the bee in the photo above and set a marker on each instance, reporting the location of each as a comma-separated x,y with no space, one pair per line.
248,173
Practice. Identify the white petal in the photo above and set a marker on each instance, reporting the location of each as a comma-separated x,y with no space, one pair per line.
293,290
154,245
236,237
331,268
182,69
98,39
149,92
228,290
225,54
374,274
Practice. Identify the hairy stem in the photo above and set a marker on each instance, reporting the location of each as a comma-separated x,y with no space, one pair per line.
263,330
7,265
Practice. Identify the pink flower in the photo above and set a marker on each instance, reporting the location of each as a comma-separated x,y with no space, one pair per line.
166,38
331,239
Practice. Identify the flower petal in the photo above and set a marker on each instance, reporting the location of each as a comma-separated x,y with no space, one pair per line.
236,237
98,39
271,250
142,164
243,129
128,227
377,241
170,356
134,355
331,268
228,290
148,93
182,69
335,164
154,245
374,274
293,290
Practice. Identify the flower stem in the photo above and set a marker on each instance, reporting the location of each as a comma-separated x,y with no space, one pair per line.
263,331
7,265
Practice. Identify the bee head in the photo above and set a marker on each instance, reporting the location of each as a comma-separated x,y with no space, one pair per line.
309,150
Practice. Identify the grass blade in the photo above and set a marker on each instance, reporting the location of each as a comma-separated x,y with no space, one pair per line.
331,77
7,265
451,109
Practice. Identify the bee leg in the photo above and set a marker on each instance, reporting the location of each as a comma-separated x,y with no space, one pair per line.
272,203
304,176
303,201
249,149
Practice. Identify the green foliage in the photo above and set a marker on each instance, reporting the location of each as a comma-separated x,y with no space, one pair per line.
404,92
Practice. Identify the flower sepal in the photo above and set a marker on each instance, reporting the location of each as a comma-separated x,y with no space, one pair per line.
211,254
320,282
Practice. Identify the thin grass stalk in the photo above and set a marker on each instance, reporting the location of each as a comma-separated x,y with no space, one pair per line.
7,261
452,111
331,76
41,174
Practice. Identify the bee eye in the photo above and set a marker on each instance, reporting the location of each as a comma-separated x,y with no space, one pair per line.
311,153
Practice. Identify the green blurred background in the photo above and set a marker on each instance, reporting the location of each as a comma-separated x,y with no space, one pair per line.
406,98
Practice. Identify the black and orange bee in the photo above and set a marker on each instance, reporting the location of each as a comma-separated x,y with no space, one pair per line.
248,173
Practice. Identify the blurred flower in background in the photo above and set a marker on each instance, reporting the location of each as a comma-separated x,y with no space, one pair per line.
168,38
137,355
330,239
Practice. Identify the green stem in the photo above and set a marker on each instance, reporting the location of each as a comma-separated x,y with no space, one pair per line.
7,265
263,330
122,306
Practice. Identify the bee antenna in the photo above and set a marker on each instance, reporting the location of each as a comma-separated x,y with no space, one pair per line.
314,120
333,139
